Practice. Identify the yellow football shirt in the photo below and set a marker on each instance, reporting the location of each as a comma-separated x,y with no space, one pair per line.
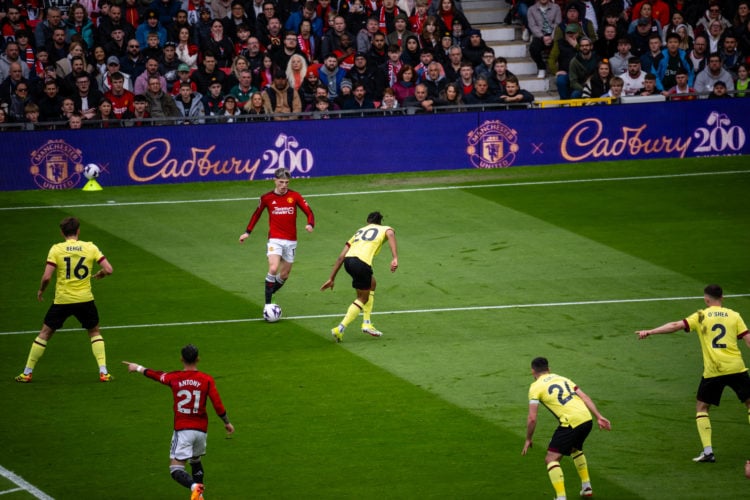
75,263
367,242
558,395
718,329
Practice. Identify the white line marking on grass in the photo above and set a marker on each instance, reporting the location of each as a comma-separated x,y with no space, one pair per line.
385,191
408,311
22,485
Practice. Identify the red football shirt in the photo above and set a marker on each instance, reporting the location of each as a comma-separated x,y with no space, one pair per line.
282,214
191,390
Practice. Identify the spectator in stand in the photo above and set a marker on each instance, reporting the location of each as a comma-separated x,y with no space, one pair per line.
67,109
213,100
419,102
87,97
180,21
31,116
453,66
236,18
452,96
281,98
400,32
104,81
12,22
514,94
466,78
358,100
166,10
649,86
614,15
658,10
681,91
712,73
112,21
133,63
231,111
239,65
633,78
207,73
563,51
186,51
141,84
719,91
713,13
220,9
266,72
65,66
499,76
650,60
254,107
430,36
418,18
160,103
731,57
475,47
122,99
75,121
385,12
219,45
714,35
640,39
410,51
168,63
18,101
332,39
582,66
104,115
150,24
677,21
80,24
645,19
117,44
406,83
674,59
615,89
202,29
741,85
741,16
606,46
389,101
44,30
598,84
345,53
308,88
619,62
140,112
485,67
372,78
244,88
57,48
12,55
697,56
574,13
307,12
434,80
49,104
377,56
296,70
481,93
442,52
331,75
449,14
183,75
308,43
542,18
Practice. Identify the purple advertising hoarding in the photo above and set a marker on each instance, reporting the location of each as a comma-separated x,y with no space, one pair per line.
498,139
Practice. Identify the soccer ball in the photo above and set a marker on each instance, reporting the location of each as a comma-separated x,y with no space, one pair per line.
271,313
91,171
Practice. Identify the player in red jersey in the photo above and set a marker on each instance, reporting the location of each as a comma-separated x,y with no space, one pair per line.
282,205
191,389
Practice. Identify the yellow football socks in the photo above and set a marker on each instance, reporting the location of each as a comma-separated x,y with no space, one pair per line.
352,312
367,308
704,428
97,347
556,478
36,352
582,466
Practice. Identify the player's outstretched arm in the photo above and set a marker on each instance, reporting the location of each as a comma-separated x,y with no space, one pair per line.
134,367
336,266
394,249
670,327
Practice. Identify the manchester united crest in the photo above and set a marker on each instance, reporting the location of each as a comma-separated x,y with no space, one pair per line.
56,165
492,145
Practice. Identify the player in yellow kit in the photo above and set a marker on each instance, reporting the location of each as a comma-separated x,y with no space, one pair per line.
573,409
357,257
73,261
719,330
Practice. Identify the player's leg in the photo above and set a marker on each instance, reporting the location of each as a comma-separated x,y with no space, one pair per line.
361,278
703,423
88,315
740,384
367,326
285,268
38,347
274,261
580,434
555,473
180,452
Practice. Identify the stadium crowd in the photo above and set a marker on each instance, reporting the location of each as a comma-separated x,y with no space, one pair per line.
116,62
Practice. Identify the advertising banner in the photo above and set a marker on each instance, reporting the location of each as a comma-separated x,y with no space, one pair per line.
372,145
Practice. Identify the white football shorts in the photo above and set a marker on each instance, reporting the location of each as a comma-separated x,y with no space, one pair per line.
187,444
285,248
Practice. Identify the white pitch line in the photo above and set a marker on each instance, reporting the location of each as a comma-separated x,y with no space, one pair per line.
385,191
407,311
22,484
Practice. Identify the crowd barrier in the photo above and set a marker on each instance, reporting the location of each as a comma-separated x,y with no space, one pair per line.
315,148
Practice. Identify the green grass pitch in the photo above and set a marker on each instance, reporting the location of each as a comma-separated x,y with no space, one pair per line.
496,267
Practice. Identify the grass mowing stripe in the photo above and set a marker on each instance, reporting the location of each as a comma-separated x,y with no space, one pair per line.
388,191
385,313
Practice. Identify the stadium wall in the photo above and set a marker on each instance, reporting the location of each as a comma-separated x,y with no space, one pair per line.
498,139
